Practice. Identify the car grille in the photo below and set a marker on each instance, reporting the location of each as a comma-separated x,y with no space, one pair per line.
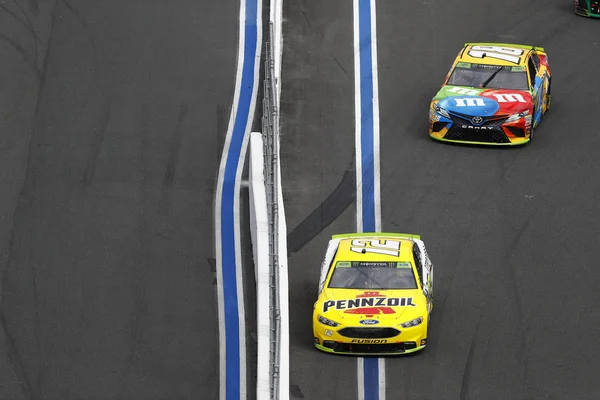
370,348
462,119
369,333
476,134
479,136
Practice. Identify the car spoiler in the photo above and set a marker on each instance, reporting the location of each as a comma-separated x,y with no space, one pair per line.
520,46
377,234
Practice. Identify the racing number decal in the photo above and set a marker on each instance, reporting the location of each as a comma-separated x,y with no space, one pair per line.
387,247
500,53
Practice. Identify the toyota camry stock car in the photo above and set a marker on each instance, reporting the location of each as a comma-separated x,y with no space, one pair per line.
588,8
375,295
494,94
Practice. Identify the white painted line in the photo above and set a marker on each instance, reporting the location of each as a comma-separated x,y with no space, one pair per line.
376,150
360,373
357,123
381,378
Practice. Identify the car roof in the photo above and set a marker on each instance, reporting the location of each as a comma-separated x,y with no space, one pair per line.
345,252
465,57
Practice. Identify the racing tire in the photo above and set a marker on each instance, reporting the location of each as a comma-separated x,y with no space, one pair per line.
548,95
532,126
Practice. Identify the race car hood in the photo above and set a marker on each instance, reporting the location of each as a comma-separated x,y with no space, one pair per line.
483,102
371,307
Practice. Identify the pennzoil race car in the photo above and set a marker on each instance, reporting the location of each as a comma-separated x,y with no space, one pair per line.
375,295
588,8
494,94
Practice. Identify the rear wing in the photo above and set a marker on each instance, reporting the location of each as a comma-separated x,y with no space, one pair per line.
519,46
377,234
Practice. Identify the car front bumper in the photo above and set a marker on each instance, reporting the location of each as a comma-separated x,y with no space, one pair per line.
495,133
585,10
408,340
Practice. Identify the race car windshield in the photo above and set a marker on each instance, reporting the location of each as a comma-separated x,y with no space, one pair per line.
373,275
489,76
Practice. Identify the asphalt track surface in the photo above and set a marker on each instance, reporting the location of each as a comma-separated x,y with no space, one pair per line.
513,233
112,128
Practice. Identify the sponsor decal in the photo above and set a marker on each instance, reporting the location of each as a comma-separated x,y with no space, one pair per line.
470,105
483,128
509,98
369,341
369,304
462,90
527,122
369,321
469,102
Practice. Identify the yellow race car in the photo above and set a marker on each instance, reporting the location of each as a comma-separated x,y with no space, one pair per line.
375,295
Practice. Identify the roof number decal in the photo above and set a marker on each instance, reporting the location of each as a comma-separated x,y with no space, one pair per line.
509,54
385,247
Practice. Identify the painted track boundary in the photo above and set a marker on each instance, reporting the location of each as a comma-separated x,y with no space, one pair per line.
232,330
370,371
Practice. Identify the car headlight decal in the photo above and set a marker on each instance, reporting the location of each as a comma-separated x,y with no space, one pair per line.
517,116
327,322
441,111
412,322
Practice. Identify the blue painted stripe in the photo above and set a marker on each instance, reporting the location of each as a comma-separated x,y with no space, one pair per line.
371,368
371,365
366,126
228,220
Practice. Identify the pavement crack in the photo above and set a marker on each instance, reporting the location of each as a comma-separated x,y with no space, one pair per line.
175,147
92,159
466,377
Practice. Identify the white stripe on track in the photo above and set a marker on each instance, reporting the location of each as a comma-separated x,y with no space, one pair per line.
360,374
376,151
357,129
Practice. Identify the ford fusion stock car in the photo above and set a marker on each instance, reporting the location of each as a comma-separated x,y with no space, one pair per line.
588,8
494,94
375,295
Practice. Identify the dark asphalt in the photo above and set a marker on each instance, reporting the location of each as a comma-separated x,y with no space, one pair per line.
317,149
513,232
109,160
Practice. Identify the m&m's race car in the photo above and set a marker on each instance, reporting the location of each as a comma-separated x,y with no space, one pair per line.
375,295
494,94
